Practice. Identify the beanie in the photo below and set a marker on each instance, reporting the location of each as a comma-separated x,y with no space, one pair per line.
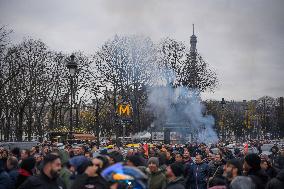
153,160
254,161
177,169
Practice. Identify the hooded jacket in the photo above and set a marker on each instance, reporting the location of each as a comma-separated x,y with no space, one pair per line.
156,180
178,183
277,182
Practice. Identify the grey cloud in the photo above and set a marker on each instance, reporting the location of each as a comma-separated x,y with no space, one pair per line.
242,40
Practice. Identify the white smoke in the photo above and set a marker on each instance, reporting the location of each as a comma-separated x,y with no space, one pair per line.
182,106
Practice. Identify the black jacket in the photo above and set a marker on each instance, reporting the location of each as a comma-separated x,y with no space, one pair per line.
277,182
42,182
216,169
5,181
84,181
259,177
176,184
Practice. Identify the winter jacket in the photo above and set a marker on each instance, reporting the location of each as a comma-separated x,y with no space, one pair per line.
271,172
156,180
198,176
279,162
42,182
216,169
259,177
178,183
14,173
277,182
5,180
65,176
84,182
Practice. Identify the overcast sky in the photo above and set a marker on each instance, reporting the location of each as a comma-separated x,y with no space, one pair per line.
242,40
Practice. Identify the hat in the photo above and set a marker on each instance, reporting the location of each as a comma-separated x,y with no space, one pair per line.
177,169
153,160
77,161
254,161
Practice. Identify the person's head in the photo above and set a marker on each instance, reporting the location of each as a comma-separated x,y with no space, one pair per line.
134,160
198,159
178,157
115,157
211,156
219,181
251,163
76,163
174,170
232,169
45,149
25,154
12,163
38,157
168,155
153,164
274,149
51,165
88,155
281,152
77,151
242,182
264,164
186,154
218,157
16,152
33,150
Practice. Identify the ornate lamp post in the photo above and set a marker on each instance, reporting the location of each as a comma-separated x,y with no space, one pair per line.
72,66
222,126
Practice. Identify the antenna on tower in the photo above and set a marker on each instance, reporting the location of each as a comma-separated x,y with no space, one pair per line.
193,28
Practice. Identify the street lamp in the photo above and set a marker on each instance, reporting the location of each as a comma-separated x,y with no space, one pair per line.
223,106
72,66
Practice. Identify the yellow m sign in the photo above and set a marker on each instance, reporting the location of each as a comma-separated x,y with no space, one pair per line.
124,110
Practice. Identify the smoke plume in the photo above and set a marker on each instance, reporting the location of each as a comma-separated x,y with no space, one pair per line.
182,106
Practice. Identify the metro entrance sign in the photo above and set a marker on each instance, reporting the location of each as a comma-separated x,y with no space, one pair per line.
124,111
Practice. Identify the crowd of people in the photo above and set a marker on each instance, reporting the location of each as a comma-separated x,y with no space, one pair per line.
191,166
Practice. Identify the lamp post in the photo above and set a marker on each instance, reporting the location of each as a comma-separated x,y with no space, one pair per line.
72,67
223,106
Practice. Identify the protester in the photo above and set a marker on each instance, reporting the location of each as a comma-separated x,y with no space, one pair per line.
267,167
251,168
26,170
242,182
277,182
91,177
49,177
13,169
216,168
198,174
175,176
156,177
5,180
232,169
218,182
25,154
